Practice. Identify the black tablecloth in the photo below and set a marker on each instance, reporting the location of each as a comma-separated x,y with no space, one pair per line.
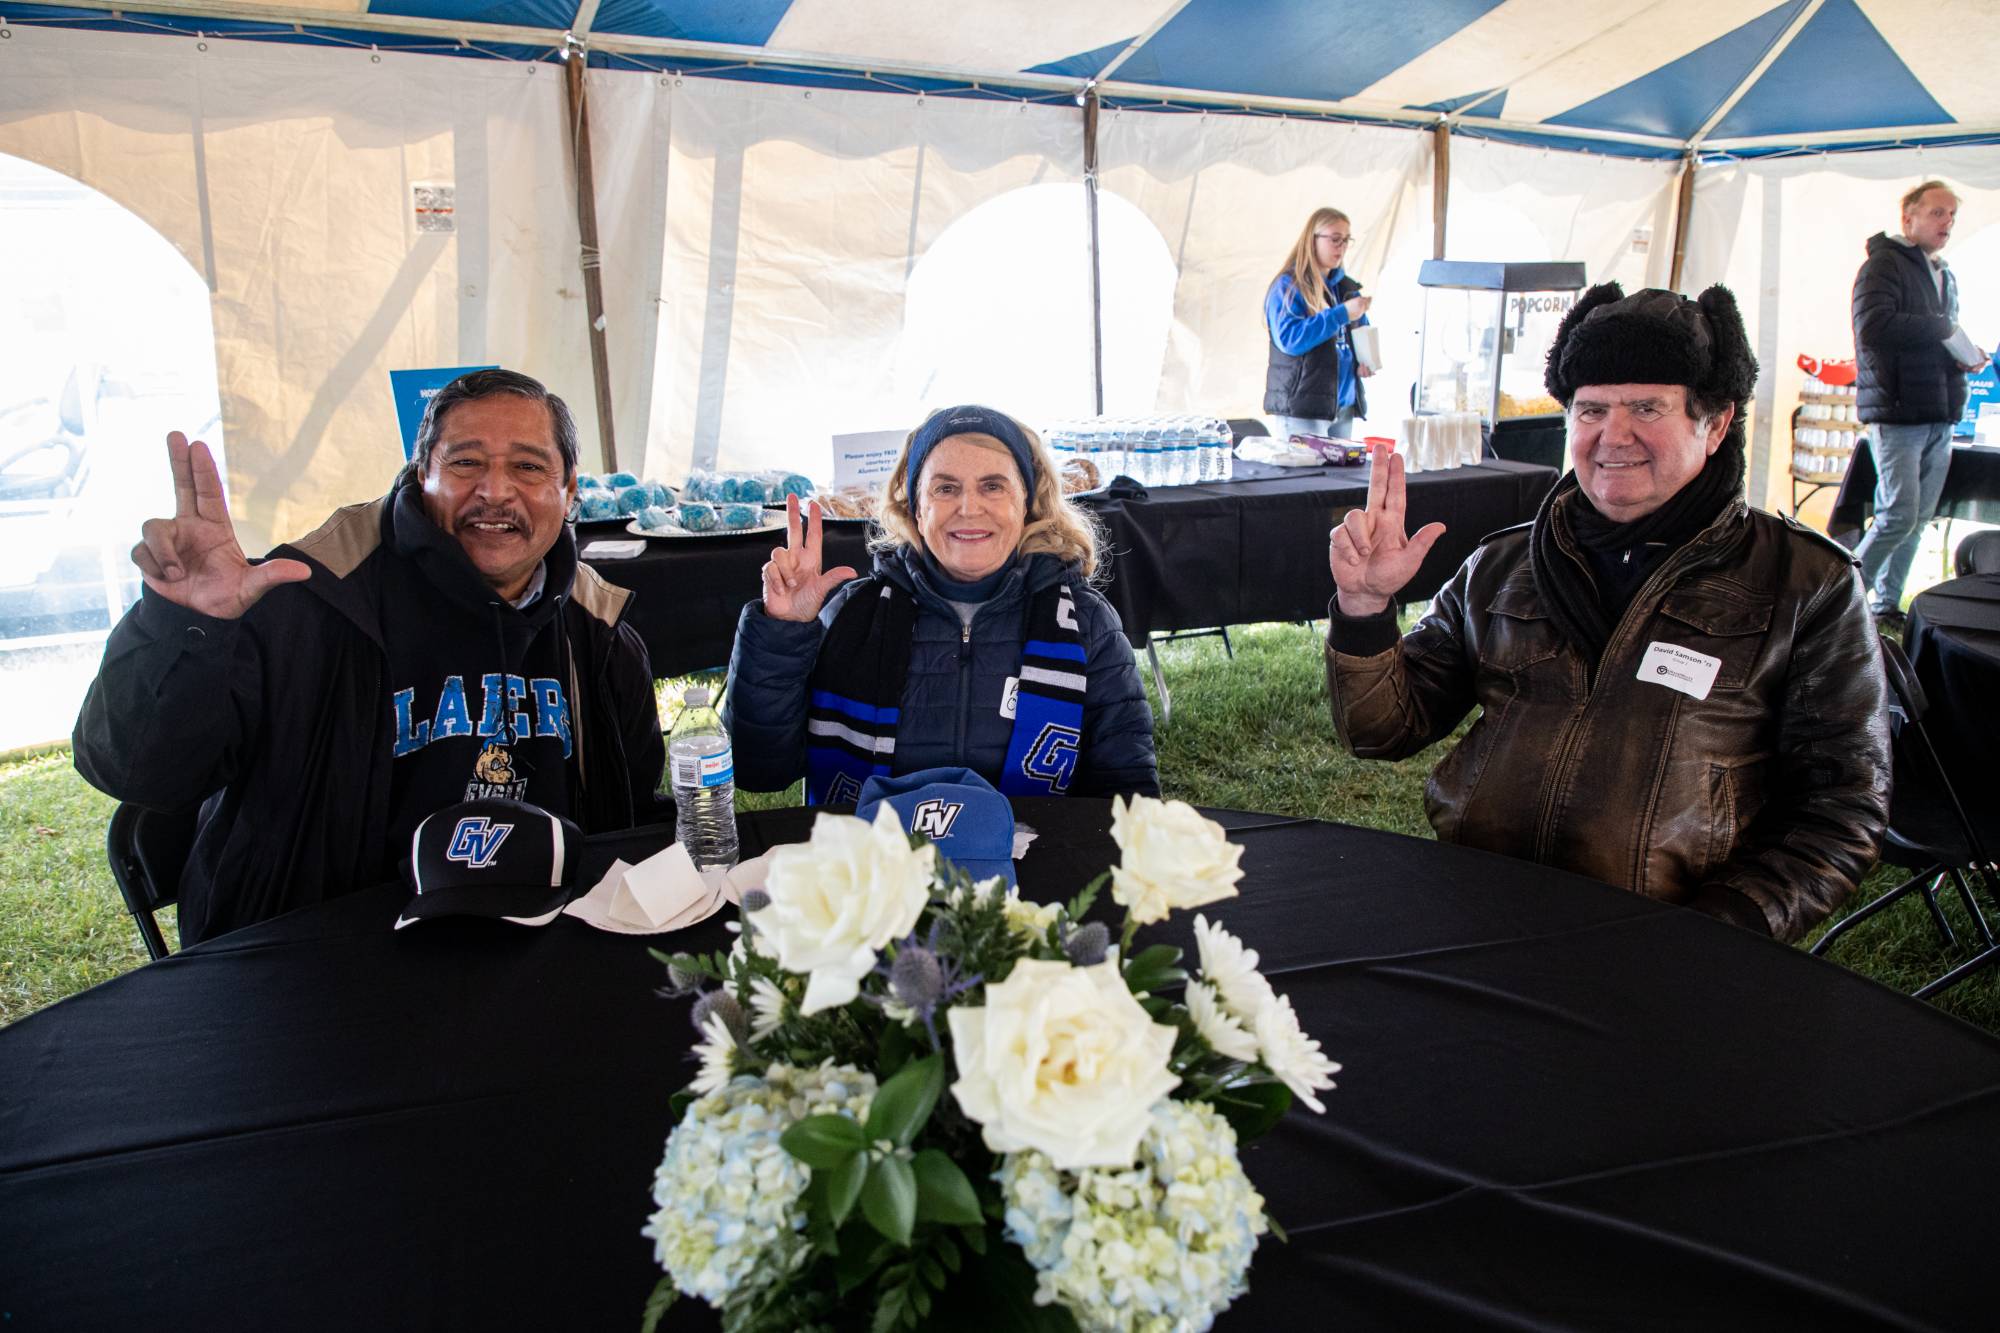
1563,1106
1953,639
1182,557
1971,490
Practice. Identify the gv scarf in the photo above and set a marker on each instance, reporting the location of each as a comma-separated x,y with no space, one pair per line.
856,689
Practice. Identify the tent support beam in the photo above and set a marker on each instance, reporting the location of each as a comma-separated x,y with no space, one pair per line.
1683,209
1089,101
1440,185
586,229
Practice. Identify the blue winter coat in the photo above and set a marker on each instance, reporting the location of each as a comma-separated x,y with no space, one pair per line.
951,697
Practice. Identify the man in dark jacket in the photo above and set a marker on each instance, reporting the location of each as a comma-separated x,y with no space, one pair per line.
1679,695
1911,361
439,644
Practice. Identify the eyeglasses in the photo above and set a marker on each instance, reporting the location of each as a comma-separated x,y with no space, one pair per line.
1329,236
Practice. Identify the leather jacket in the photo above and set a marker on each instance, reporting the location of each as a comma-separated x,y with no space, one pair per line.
1775,786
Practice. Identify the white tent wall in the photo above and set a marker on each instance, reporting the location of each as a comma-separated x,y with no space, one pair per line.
1517,204
1786,235
283,173
794,221
1230,195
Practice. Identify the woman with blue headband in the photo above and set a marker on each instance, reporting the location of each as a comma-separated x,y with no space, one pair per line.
977,641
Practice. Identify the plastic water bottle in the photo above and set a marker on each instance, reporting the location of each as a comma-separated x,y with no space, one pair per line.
702,768
1147,469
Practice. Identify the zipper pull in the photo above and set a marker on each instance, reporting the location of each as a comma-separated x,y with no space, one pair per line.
965,634
1627,557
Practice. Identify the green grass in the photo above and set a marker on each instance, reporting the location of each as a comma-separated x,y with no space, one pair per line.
1250,734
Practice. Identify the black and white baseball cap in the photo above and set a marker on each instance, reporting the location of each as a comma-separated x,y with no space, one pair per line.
496,858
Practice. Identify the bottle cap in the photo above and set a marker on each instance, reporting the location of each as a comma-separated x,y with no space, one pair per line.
696,697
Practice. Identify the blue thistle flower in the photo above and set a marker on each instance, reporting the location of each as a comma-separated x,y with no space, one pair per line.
1087,944
722,1004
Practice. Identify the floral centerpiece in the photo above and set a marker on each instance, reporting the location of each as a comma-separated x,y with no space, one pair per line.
1083,1170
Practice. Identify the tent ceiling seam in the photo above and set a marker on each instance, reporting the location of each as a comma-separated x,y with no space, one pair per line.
1133,46
1792,30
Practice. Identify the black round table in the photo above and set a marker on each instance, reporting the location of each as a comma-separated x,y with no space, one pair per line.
1563,1106
1953,638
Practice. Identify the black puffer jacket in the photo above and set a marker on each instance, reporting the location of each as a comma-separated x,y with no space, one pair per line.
951,697
1905,375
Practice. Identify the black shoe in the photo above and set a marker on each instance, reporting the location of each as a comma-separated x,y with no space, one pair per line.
1890,622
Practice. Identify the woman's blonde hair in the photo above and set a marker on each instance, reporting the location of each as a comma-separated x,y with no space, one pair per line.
1303,265
1054,525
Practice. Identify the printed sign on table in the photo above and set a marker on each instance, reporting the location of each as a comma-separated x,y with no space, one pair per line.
866,458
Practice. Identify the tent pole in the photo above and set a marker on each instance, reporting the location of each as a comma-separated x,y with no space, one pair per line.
586,230
1089,101
1440,184
1683,207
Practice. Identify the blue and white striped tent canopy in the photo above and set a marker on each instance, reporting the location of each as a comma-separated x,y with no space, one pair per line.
1643,77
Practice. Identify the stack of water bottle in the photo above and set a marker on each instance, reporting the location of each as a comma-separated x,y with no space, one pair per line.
1180,450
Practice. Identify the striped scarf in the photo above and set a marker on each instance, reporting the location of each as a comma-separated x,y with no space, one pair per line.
853,696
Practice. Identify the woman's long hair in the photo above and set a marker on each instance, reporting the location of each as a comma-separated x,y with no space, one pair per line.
1303,266
1054,525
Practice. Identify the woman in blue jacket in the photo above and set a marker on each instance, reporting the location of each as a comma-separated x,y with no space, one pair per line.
976,642
1313,386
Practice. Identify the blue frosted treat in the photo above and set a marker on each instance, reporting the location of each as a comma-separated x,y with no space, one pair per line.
700,486
792,483
597,505
620,479
662,494
633,498
586,481
652,518
697,516
741,516
751,490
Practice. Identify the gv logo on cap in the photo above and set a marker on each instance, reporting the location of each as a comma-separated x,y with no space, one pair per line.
475,842
934,818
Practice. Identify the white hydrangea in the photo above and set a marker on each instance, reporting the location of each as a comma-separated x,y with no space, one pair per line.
731,1200
1160,1247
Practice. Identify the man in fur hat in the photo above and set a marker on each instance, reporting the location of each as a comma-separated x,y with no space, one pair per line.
1680,695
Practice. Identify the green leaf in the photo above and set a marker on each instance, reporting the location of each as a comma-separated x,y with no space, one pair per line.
1277,1230
823,1142
947,1250
895,1052
678,1104
975,1239
1081,903
889,1199
861,1253
843,1186
943,1192
1252,1108
1154,969
657,1304
904,1103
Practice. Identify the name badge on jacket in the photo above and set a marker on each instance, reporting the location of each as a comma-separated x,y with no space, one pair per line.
1009,697
1678,668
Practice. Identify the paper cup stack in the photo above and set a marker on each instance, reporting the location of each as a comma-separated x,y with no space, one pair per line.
1440,440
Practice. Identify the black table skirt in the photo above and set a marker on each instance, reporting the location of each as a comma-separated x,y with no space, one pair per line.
1563,1106
1971,490
1953,639
1181,557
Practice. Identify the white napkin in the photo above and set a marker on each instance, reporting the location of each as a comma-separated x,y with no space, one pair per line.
663,892
623,548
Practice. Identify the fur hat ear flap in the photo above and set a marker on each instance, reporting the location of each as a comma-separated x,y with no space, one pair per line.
1734,374
1553,379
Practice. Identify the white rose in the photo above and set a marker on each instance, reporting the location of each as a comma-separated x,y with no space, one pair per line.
838,898
1063,1060
1173,857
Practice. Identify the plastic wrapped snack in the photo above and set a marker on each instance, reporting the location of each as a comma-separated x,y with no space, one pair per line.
770,486
633,498
618,480
587,482
653,518
596,505
738,516
697,516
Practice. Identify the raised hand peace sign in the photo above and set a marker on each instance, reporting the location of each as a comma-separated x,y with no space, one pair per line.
794,587
1371,556
193,559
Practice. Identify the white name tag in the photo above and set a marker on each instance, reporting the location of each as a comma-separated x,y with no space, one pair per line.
1009,696
1679,668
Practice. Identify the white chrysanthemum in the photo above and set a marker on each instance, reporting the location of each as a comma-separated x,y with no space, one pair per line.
716,1049
1232,970
731,1200
767,1008
1290,1054
1217,1026
1160,1247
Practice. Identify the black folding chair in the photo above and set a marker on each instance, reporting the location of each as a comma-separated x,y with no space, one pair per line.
1979,553
1929,831
148,850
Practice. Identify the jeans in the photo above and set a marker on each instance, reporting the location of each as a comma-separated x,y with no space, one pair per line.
1910,464
1338,428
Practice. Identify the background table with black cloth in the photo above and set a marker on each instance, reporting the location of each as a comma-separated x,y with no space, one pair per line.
1971,490
1179,557
1953,638
1563,1106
